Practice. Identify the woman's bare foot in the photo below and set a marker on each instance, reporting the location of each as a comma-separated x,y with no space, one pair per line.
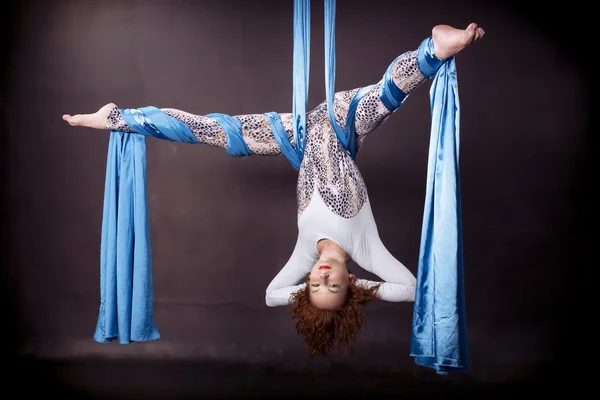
96,120
449,41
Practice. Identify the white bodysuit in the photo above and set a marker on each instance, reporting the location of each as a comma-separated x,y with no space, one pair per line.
332,196
358,237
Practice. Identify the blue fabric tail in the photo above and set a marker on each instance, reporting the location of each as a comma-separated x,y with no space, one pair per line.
126,295
439,335
126,309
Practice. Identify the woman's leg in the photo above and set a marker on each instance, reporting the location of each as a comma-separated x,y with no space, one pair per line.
407,75
256,129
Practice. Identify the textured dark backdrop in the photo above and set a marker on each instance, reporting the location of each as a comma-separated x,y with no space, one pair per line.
223,227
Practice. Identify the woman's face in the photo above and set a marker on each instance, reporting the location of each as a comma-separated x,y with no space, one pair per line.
328,283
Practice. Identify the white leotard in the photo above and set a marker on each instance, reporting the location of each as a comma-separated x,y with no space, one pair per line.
357,236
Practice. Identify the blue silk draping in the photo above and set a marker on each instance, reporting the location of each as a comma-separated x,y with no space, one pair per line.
347,141
126,309
439,333
301,68
346,136
300,75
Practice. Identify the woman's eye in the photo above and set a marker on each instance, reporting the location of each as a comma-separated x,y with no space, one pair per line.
315,285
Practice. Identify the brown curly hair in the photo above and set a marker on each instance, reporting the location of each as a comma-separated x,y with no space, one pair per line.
325,331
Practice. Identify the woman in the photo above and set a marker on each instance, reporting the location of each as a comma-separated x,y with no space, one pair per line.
335,221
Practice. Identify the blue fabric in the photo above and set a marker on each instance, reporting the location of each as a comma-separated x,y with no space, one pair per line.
390,95
151,121
439,335
236,145
330,66
126,308
126,294
301,73
429,64
283,141
301,68
350,129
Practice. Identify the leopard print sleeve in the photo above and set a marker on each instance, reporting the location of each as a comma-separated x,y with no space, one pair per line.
256,129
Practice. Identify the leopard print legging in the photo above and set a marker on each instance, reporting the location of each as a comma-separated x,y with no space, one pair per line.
326,164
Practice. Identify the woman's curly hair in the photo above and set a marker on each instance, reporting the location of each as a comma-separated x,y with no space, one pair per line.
324,331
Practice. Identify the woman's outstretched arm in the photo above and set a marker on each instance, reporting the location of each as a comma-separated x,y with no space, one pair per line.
255,128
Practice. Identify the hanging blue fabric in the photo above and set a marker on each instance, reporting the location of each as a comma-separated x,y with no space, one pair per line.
301,73
439,334
347,136
126,309
301,64
330,65
126,296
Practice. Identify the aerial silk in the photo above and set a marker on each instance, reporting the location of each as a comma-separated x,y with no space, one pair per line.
301,73
439,332
126,309
126,301
126,296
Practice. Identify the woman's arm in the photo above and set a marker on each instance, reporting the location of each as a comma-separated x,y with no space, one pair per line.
399,284
390,291
291,277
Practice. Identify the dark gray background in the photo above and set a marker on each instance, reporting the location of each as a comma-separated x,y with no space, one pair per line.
222,227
